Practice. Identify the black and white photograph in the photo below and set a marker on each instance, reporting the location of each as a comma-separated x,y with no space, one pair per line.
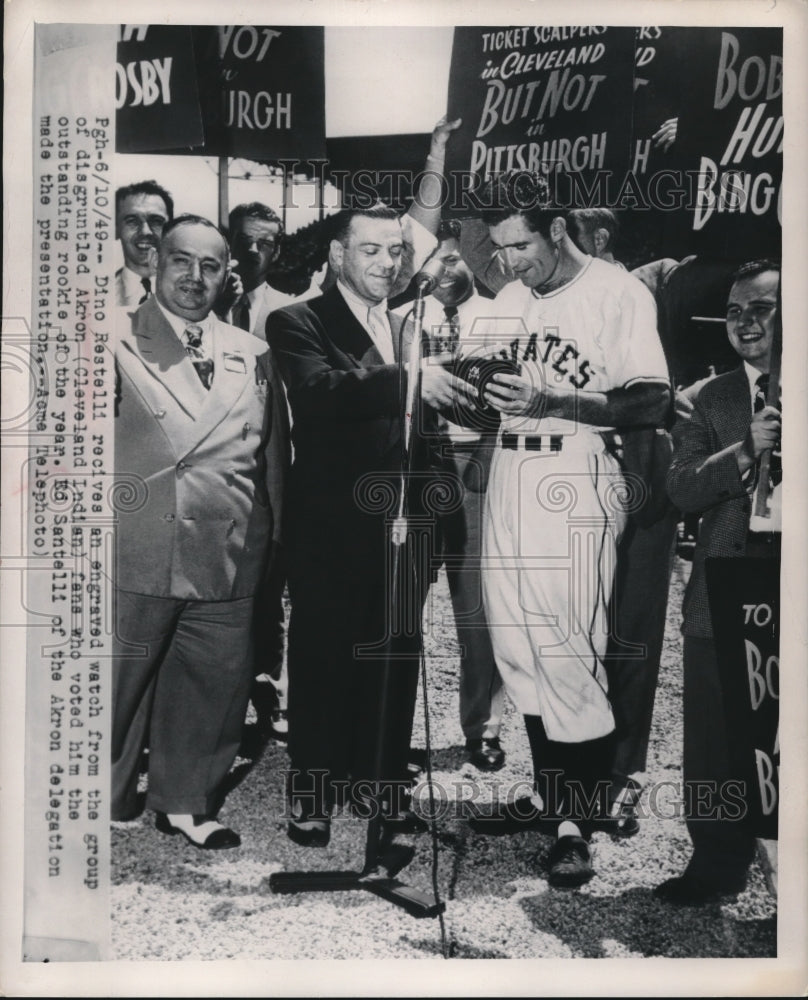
397,560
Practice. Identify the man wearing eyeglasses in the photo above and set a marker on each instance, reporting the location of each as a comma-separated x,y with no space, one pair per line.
256,232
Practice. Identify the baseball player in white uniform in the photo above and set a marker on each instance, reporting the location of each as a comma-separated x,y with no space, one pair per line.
583,336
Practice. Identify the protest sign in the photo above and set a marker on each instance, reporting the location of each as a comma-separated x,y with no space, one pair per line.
233,90
732,142
157,99
262,91
745,609
557,99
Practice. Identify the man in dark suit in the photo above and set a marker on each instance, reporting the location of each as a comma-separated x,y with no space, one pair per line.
338,354
715,473
199,435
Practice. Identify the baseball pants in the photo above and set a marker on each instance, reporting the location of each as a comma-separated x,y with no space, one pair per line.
552,524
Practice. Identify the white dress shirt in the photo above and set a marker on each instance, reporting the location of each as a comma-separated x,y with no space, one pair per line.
374,320
130,287
263,300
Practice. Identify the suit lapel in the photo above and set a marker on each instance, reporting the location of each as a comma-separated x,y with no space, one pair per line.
154,344
731,419
346,332
233,371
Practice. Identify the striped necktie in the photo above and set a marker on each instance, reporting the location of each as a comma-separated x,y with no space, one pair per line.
453,322
196,352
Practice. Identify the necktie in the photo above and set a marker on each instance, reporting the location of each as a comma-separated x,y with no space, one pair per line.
146,282
382,336
454,328
196,352
776,460
241,313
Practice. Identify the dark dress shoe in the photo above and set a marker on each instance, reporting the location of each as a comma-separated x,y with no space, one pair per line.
503,819
486,755
690,890
309,832
215,840
570,863
622,820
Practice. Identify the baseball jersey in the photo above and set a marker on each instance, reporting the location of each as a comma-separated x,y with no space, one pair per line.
594,334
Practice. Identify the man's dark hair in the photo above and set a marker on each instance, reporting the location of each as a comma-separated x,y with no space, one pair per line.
194,220
145,187
341,222
752,268
587,220
521,193
449,229
254,210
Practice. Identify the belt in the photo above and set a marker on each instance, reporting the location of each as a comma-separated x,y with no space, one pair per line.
526,442
460,447
763,537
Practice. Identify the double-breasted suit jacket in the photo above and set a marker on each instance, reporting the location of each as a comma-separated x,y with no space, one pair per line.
207,467
201,483
704,478
345,404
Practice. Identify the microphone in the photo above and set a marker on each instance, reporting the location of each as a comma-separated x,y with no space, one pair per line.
428,277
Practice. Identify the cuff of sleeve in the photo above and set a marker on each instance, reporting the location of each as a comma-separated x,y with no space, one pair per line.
419,238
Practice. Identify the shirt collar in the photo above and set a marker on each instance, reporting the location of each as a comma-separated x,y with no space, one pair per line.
752,375
258,293
358,307
180,325
133,282
469,303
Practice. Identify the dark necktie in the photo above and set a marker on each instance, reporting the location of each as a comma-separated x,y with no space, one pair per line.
454,328
241,313
776,460
194,350
146,282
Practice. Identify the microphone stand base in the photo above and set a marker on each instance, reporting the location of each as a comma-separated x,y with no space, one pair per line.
417,903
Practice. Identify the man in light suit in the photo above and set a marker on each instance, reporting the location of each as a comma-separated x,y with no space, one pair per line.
715,473
141,212
199,440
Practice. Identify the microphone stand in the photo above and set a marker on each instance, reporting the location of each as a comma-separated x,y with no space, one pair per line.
374,877
763,494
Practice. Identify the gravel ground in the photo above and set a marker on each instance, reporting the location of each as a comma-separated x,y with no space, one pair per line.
170,901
